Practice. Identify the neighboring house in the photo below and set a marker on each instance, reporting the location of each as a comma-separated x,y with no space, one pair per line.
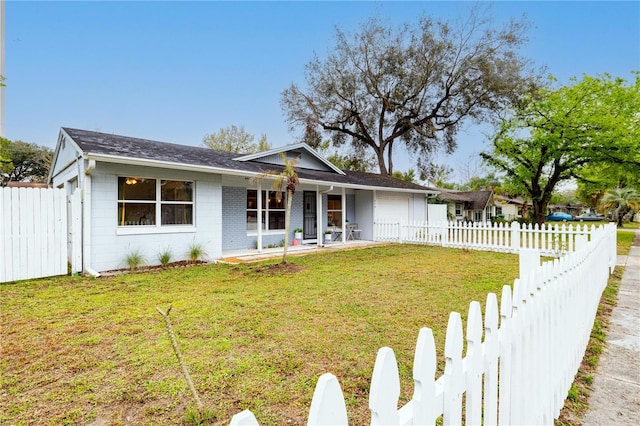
572,209
508,208
145,195
469,206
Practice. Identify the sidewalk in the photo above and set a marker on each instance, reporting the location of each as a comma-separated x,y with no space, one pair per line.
615,399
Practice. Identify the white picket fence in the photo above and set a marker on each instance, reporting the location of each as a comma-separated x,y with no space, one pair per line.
551,240
33,233
519,364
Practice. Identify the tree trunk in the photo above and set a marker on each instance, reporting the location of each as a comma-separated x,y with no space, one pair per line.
539,211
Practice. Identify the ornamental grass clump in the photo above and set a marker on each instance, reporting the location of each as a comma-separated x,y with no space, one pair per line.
134,259
196,251
164,257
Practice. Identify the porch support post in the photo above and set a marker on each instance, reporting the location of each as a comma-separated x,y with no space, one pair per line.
259,218
375,215
343,204
320,227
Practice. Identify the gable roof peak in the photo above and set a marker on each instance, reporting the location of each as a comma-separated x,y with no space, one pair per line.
288,148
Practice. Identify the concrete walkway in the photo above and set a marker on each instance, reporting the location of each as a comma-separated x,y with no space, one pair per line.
615,399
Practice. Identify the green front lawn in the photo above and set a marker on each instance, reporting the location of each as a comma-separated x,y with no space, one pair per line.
625,238
77,350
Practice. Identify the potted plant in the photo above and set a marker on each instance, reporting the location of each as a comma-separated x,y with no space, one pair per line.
327,236
297,233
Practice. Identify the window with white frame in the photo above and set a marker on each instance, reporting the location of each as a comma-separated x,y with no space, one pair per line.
154,202
273,210
334,210
458,209
477,215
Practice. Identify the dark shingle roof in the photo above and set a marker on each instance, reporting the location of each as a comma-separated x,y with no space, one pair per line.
124,146
477,199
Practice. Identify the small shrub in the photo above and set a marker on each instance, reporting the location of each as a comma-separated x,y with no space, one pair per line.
193,416
574,393
165,257
134,259
196,251
588,379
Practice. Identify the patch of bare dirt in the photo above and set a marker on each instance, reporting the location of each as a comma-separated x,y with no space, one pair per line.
279,268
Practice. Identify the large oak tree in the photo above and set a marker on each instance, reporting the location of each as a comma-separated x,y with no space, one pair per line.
413,85
23,161
566,133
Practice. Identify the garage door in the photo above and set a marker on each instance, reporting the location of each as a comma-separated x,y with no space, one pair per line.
393,207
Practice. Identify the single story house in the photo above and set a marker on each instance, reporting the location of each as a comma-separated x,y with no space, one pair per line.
508,208
149,196
469,206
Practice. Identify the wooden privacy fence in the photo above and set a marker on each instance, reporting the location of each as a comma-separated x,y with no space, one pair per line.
519,363
33,233
551,240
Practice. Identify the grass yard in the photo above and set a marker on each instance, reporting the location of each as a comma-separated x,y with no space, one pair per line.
80,350
625,238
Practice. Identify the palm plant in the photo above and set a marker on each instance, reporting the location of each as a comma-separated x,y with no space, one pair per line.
286,180
621,201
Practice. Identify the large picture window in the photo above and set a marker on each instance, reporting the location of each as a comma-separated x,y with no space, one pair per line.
273,210
154,202
334,210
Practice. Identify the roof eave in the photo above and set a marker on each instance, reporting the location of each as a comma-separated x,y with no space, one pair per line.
107,158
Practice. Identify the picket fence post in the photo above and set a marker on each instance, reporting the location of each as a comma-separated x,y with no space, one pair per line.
473,359
385,389
453,372
327,406
515,237
422,408
491,352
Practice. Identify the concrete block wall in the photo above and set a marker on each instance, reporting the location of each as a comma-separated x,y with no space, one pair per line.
234,221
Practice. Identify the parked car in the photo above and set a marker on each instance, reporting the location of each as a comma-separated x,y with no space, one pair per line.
590,217
559,217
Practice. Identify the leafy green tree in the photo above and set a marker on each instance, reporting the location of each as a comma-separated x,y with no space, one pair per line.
354,162
408,176
235,139
263,144
438,175
552,136
415,85
598,178
5,157
486,183
26,162
621,201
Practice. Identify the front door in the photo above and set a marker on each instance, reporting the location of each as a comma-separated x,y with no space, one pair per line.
310,224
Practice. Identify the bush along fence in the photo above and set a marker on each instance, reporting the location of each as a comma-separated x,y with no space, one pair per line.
551,240
519,364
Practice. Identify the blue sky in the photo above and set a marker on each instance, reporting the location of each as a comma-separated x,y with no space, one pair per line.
175,71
